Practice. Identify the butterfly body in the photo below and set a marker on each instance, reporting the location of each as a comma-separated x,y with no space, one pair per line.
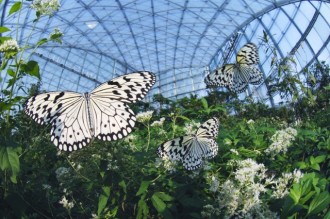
237,76
104,113
191,149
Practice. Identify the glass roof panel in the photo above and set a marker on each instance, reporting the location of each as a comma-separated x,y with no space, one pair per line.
177,40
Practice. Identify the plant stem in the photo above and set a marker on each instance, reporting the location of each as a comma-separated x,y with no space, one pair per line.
148,127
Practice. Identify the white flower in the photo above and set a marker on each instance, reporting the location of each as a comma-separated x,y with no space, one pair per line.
281,141
191,127
250,122
62,173
9,46
46,7
158,123
144,116
46,187
169,165
66,204
234,151
297,175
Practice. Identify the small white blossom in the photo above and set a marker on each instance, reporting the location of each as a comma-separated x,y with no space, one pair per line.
46,187
169,165
144,116
234,151
46,7
66,204
9,46
158,123
281,141
250,122
190,128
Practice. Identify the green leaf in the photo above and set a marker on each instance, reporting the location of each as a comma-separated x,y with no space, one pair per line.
143,209
103,199
158,203
320,159
31,68
4,29
143,187
319,203
123,185
42,41
163,196
204,103
327,216
16,7
295,193
9,160
11,72
316,166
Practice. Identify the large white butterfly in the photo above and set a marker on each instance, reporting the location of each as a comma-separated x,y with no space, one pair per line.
190,149
237,76
103,113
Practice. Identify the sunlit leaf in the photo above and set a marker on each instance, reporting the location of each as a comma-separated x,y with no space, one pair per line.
9,160
319,203
103,199
16,7
158,203
4,29
143,187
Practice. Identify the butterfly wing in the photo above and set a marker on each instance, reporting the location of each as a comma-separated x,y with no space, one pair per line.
113,118
175,149
67,114
248,54
206,137
256,77
222,76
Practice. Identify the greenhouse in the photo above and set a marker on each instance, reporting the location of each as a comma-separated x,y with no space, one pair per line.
164,109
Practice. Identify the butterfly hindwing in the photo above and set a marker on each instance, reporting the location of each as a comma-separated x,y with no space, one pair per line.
192,148
113,117
67,114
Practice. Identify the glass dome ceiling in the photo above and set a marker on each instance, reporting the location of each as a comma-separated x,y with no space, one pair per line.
177,40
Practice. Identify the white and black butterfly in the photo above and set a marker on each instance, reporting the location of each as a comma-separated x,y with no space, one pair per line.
237,76
103,113
191,149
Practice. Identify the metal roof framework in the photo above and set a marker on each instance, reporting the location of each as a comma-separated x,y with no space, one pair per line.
177,40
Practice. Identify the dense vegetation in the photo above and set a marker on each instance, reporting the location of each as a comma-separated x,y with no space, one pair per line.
272,162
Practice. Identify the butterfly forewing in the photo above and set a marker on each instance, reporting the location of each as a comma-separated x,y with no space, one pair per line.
67,114
248,54
127,88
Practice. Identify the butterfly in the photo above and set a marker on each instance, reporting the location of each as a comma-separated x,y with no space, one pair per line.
191,149
237,76
76,119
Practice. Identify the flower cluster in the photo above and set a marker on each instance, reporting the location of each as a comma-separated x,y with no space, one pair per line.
144,117
158,123
281,185
281,141
66,204
10,48
169,165
45,7
241,195
191,127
